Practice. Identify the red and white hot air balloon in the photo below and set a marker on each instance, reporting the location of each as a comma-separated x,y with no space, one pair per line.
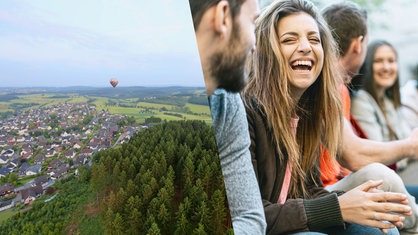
114,82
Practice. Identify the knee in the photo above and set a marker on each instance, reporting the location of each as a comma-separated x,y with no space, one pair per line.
378,171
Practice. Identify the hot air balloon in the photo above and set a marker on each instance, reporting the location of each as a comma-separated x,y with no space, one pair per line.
113,82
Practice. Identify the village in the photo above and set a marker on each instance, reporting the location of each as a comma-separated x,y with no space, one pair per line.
42,145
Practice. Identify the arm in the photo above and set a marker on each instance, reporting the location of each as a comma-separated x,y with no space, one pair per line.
232,138
358,152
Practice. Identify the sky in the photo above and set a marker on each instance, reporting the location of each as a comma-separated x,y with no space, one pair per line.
86,43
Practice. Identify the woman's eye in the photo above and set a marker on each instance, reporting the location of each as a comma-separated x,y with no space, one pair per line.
316,40
288,40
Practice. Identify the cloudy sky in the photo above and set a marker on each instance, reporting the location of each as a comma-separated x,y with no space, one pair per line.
86,43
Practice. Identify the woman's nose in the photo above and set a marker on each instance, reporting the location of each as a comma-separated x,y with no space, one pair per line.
304,46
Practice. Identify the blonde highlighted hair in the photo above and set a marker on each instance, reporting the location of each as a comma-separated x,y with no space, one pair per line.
319,108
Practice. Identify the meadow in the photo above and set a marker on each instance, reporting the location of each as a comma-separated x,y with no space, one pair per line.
165,106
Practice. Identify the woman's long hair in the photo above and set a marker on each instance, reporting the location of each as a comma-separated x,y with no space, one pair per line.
319,108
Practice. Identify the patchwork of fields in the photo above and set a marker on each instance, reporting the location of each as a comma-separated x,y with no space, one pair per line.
163,107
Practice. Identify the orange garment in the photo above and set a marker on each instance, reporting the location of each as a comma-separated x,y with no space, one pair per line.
331,170
345,96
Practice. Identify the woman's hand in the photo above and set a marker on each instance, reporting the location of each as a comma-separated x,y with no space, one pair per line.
369,206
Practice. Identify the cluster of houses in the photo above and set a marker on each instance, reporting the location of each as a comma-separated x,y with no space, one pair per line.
25,195
48,142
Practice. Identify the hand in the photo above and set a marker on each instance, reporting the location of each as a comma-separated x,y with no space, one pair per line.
369,206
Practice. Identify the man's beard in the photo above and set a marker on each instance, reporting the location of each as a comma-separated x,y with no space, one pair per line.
228,67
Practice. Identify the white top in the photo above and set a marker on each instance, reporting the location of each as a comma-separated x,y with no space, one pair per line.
371,119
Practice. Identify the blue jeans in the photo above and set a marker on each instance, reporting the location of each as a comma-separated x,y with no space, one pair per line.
351,229
355,229
307,233
413,190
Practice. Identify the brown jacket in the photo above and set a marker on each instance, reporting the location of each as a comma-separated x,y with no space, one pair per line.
320,211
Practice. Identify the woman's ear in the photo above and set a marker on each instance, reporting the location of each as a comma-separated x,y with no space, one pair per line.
222,18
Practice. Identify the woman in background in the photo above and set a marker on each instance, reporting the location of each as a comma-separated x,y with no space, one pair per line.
376,106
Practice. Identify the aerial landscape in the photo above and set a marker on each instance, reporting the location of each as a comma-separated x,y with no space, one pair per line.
85,159
104,121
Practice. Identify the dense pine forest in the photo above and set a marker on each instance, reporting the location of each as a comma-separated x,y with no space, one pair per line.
165,180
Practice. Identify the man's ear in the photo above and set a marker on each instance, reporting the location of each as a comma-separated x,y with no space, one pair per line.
356,44
223,18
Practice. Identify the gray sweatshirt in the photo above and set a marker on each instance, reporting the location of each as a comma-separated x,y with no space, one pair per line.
233,140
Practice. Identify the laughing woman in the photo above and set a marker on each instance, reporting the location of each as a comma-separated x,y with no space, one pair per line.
293,108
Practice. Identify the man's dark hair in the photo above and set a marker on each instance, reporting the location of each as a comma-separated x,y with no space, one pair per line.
347,21
199,7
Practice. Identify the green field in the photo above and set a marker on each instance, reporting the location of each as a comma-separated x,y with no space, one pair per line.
155,106
130,107
199,108
38,101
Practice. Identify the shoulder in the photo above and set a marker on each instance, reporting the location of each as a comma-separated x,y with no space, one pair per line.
362,94
362,97
226,108
362,102
222,101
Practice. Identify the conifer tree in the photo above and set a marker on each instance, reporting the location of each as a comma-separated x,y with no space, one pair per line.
134,221
182,225
164,218
154,230
112,202
200,230
118,225
218,210
130,188
108,221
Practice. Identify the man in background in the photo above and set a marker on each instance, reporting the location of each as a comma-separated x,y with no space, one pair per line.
225,36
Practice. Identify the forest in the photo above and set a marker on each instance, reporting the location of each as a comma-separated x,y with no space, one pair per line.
165,180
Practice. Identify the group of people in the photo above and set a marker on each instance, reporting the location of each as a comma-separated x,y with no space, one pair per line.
295,156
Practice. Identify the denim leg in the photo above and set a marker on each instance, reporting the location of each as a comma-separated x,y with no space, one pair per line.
308,233
413,190
355,229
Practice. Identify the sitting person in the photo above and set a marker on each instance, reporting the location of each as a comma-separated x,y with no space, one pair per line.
293,107
348,23
376,106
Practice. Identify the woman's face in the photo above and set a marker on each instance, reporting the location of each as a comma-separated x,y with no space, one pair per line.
385,67
300,44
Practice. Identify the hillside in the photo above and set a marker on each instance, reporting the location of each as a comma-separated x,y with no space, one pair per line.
165,180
